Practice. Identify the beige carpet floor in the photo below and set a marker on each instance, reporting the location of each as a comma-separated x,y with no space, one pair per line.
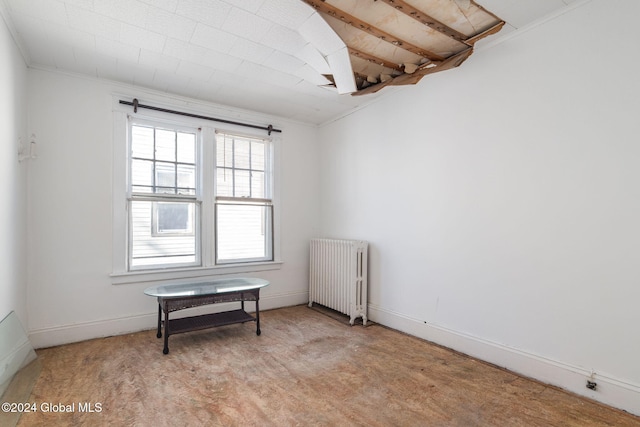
306,369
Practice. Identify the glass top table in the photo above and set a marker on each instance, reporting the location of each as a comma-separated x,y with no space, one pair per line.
218,286
174,297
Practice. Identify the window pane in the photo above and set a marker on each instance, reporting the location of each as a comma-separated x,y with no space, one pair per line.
241,183
163,233
257,185
243,232
257,155
174,218
142,175
186,147
241,153
224,151
186,179
142,142
165,145
165,178
224,182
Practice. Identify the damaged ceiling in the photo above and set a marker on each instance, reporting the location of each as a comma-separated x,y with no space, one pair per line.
292,58
397,42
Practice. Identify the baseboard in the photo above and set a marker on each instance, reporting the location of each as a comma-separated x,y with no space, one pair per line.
610,391
65,334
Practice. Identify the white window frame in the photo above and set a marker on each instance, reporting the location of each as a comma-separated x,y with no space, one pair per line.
121,274
266,201
153,197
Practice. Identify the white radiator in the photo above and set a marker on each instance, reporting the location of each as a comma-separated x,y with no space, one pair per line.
338,276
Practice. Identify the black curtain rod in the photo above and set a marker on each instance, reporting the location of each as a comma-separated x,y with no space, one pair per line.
136,105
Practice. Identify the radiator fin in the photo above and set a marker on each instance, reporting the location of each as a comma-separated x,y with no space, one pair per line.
338,276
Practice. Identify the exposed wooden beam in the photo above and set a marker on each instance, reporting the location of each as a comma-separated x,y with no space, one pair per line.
324,7
374,59
426,19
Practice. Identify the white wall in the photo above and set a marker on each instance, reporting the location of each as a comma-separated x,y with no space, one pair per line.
502,199
71,295
13,179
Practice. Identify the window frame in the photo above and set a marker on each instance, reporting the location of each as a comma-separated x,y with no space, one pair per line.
164,197
121,274
266,200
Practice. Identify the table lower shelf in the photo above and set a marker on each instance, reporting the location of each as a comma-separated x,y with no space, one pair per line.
205,321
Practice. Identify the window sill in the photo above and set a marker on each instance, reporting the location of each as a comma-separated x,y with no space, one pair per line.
197,273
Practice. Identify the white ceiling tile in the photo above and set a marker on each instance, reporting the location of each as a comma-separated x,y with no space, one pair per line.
48,10
289,13
194,71
342,72
283,62
85,62
249,5
213,38
63,57
117,49
107,68
84,4
311,56
126,71
162,79
201,90
144,39
220,61
316,30
65,36
29,29
168,5
246,25
185,51
283,39
143,75
132,12
211,12
258,72
311,75
250,51
158,61
93,23
228,79
170,24
176,84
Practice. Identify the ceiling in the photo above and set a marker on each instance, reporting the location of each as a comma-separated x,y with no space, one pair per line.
306,60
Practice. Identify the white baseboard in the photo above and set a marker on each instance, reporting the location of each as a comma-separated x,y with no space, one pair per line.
610,391
65,334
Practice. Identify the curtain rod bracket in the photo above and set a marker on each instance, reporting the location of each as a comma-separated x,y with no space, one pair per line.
269,129
135,105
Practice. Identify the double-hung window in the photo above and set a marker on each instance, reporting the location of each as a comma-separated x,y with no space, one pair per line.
243,204
164,196
197,197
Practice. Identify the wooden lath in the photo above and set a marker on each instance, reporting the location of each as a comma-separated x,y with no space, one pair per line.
375,59
413,38
425,19
325,8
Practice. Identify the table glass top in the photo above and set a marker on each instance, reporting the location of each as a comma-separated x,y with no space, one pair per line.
213,287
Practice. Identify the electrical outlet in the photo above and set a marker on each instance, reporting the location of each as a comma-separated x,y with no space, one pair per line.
591,385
